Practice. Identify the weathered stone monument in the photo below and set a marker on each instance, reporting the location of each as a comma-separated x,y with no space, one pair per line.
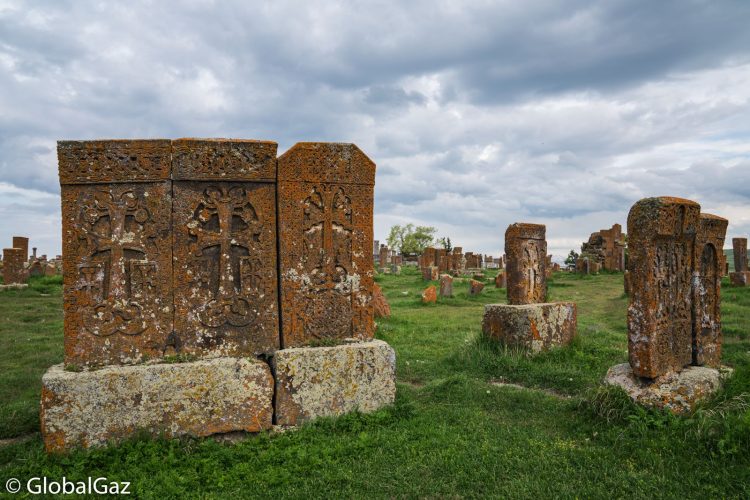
170,249
527,320
22,243
741,275
13,271
446,285
606,248
674,329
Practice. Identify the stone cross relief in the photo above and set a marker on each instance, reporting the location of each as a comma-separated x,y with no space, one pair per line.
117,279
226,231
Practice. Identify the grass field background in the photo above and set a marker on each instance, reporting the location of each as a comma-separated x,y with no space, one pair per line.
471,419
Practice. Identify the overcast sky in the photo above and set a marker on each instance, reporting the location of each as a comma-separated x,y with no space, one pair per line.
478,114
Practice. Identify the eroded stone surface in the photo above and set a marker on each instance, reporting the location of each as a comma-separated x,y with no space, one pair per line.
117,247
500,281
328,381
200,398
380,305
22,243
662,233
709,263
446,285
536,327
526,251
325,208
676,392
739,245
224,280
13,271
475,287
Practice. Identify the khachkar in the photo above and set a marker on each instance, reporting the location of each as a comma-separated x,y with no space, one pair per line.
14,274
674,324
741,275
171,251
528,320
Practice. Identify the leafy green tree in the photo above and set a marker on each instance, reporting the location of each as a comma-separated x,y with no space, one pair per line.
445,243
571,258
410,239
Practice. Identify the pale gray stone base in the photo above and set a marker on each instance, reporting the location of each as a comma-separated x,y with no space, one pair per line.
536,327
676,392
200,398
328,381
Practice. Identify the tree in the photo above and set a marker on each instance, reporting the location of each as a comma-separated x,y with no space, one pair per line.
445,243
571,258
411,240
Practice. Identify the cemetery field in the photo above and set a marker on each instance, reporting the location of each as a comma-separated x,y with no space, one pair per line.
471,419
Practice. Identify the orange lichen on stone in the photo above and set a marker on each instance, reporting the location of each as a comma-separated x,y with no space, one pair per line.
380,305
429,295
325,213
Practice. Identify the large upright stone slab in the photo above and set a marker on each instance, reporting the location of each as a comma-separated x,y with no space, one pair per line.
709,264
662,234
224,227
22,243
741,275
13,272
526,250
117,250
325,214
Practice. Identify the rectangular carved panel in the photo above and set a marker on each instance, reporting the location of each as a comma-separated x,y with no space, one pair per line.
662,235
117,250
526,248
325,241
224,224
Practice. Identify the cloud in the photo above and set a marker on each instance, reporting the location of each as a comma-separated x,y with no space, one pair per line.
478,114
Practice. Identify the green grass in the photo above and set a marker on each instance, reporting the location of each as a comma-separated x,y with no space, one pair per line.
454,430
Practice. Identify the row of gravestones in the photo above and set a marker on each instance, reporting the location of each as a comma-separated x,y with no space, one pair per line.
218,252
18,266
674,325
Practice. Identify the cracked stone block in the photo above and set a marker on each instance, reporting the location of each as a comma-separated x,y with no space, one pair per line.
200,398
676,392
536,327
316,382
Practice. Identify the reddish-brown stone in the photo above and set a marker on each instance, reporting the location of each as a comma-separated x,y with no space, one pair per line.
13,271
709,263
22,243
383,256
380,306
739,245
607,248
446,285
429,295
526,251
500,280
224,237
325,202
475,287
662,234
626,284
117,248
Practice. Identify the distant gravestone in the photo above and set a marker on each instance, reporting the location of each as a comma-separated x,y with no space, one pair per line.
446,285
22,243
740,276
526,250
13,271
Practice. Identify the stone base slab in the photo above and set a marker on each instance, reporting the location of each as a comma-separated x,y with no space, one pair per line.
536,327
14,286
91,408
740,278
316,382
676,392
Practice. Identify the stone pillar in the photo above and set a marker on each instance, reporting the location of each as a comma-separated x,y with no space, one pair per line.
117,250
13,272
526,248
383,257
325,235
738,244
224,233
662,238
33,254
709,264
22,243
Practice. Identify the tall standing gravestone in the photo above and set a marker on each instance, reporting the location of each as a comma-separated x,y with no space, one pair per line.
325,236
117,247
22,243
741,275
674,275
13,271
224,230
528,320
